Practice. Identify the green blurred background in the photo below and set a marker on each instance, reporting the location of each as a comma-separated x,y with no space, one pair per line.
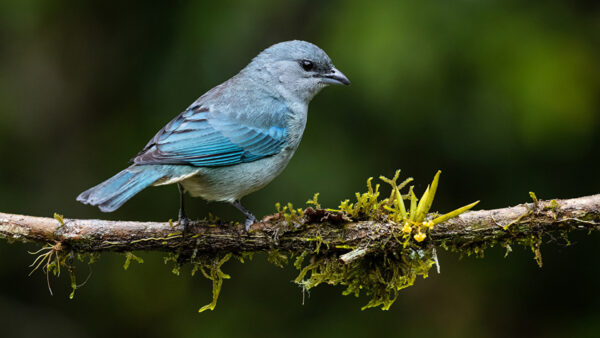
503,96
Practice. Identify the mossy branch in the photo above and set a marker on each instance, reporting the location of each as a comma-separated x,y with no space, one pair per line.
372,246
337,233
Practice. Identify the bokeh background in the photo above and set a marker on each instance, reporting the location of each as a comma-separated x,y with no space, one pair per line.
503,96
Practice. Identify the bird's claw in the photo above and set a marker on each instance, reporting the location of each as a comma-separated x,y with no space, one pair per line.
249,221
185,222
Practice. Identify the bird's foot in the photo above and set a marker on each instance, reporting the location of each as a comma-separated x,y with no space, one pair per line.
251,219
185,222
183,219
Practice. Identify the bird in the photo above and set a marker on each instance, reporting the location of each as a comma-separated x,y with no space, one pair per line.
234,139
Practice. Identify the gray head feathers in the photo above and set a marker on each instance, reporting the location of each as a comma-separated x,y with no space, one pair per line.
294,50
297,69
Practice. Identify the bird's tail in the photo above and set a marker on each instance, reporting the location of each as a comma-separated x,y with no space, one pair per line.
114,192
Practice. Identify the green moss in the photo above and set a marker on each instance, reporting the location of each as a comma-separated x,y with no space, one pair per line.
345,246
245,256
314,201
91,258
378,276
60,219
129,256
277,258
553,207
211,269
565,237
290,215
534,242
173,258
533,197
300,260
319,241
508,249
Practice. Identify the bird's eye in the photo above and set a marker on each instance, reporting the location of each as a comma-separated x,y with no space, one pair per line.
307,65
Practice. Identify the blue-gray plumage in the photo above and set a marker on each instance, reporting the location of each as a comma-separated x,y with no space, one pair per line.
234,139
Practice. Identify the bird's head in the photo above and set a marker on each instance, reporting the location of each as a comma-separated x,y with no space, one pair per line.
297,68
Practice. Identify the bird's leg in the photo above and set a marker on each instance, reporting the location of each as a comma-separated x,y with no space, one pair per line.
183,219
250,218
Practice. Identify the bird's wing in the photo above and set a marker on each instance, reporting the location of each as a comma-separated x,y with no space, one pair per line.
202,136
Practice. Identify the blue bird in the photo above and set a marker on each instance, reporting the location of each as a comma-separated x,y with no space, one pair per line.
235,138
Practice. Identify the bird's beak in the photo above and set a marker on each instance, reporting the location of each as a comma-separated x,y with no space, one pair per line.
335,77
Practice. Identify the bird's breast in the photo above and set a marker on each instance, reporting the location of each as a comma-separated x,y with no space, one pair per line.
296,124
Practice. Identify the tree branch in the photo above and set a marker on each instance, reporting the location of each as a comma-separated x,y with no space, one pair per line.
316,230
